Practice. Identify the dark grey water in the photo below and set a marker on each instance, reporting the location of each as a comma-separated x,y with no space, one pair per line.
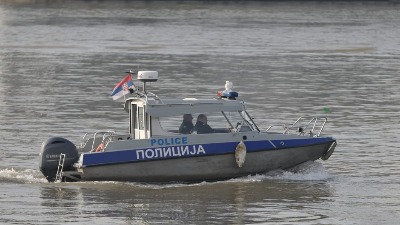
59,62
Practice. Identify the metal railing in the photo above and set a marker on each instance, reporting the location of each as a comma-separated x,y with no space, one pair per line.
105,138
313,127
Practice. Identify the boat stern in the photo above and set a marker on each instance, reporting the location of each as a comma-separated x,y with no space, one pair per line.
57,155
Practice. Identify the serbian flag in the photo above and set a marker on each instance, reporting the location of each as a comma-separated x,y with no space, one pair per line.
122,87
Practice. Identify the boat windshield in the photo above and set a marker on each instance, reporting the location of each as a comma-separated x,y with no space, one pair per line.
220,122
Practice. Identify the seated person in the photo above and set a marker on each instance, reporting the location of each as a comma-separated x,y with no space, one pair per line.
201,125
187,124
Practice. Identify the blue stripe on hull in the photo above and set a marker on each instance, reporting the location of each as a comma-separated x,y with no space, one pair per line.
168,152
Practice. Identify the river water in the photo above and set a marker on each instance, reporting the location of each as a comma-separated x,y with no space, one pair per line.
60,60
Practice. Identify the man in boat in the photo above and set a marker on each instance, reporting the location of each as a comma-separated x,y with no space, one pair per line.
187,124
201,125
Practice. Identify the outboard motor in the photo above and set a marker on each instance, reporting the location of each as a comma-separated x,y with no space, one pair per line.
50,156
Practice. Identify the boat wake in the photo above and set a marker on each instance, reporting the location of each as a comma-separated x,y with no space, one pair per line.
308,171
21,176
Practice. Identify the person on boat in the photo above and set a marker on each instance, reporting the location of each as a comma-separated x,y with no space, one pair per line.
187,124
201,125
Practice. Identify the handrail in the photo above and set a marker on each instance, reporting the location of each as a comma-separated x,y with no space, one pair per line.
302,129
105,135
83,141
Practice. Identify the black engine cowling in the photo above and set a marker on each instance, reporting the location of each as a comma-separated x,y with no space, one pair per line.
50,156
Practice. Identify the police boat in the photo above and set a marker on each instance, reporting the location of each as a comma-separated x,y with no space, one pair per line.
166,144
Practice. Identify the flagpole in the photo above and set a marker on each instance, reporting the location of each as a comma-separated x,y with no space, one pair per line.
123,87
130,74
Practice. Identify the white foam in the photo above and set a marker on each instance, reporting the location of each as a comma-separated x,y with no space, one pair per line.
309,171
21,176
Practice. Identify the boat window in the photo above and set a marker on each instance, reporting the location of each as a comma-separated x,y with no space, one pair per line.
171,124
132,118
239,123
221,122
141,118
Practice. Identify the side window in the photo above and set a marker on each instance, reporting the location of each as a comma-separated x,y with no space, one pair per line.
141,118
136,119
171,124
220,122
132,118
217,120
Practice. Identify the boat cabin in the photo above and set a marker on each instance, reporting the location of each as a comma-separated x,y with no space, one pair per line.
151,116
